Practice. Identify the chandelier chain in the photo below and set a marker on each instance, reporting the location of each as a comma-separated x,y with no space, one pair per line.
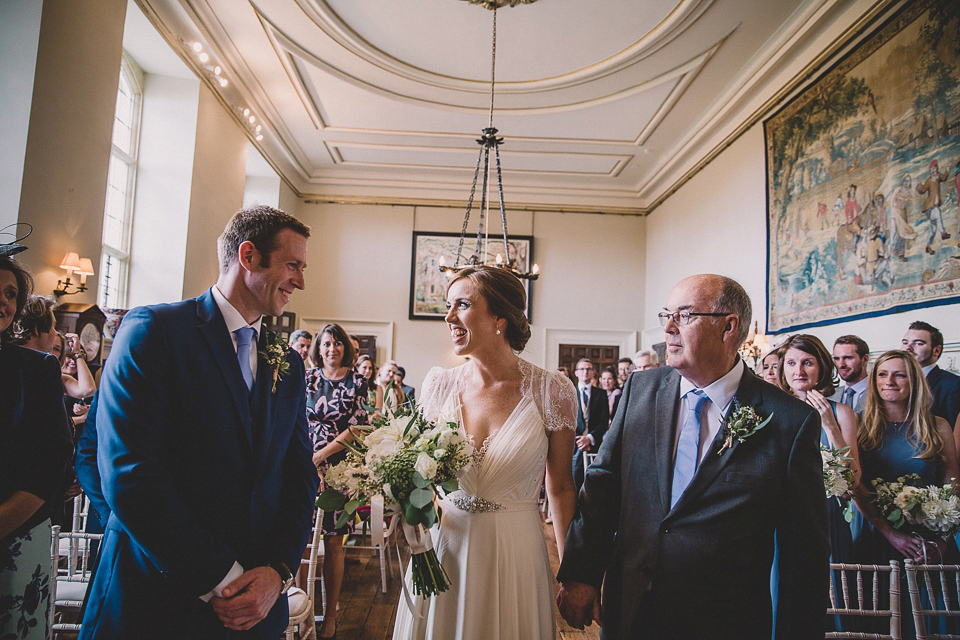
493,63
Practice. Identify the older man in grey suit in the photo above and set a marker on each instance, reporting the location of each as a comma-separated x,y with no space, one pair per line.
678,516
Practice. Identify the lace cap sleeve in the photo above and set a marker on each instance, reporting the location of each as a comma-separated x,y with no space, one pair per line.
559,402
432,394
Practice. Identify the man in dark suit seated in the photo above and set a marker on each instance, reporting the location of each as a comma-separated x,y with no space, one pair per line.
204,454
678,516
925,342
593,416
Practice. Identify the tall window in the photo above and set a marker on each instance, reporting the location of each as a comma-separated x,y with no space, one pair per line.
121,178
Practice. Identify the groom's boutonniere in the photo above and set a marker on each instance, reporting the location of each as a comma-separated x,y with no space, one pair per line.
741,423
276,357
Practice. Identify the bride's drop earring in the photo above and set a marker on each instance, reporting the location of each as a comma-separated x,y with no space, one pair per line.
498,330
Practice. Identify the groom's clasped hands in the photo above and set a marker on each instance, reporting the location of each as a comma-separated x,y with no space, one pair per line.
248,599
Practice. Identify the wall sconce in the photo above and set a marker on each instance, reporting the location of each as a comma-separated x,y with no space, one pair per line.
73,264
754,345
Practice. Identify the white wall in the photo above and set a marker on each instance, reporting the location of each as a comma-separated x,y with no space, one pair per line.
19,36
715,224
359,261
216,191
164,175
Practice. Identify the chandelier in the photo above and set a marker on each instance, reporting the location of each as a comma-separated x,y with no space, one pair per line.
487,141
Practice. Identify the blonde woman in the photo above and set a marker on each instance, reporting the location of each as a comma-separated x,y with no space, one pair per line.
899,435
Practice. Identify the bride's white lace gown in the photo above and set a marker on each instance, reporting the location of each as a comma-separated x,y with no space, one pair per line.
490,541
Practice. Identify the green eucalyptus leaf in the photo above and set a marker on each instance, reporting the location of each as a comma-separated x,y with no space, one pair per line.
419,481
420,498
331,500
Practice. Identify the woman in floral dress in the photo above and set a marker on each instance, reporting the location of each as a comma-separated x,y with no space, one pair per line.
335,395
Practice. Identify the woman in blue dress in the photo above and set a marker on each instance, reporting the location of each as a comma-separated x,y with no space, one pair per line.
807,371
900,435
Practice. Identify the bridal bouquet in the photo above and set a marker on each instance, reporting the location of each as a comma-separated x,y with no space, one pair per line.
837,476
924,510
400,461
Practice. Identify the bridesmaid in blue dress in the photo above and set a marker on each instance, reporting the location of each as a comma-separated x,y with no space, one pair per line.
807,371
899,435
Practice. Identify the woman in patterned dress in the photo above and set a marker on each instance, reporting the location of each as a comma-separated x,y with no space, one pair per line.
335,395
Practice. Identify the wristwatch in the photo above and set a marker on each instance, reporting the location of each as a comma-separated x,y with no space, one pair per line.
286,576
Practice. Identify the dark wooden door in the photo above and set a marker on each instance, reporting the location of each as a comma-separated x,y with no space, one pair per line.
602,355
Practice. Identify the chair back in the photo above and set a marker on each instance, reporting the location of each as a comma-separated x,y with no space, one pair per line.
72,562
866,591
935,599
588,459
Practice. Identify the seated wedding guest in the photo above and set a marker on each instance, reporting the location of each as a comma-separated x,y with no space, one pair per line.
300,342
925,342
608,382
807,372
851,355
768,366
646,360
36,329
624,368
78,381
394,397
366,368
35,452
899,435
408,392
334,395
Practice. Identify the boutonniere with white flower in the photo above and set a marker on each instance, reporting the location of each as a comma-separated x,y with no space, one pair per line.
741,423
276,357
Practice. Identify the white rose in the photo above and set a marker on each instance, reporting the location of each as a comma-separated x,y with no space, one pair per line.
439,453
426,466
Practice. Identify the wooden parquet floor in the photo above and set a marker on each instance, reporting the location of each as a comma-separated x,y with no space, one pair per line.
368,614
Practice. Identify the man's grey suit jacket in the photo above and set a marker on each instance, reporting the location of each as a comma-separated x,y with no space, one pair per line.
707,561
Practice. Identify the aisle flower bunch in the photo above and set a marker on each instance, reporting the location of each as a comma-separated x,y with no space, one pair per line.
838,476
923,510
403,459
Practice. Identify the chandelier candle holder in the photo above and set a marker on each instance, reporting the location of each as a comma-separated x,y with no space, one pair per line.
488,141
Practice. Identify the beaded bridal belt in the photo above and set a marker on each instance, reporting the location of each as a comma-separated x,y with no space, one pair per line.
476,504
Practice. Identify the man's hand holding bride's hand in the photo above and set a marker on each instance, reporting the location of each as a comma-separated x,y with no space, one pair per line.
579,604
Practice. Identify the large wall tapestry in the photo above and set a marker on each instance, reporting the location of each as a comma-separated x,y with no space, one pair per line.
863,178
428,286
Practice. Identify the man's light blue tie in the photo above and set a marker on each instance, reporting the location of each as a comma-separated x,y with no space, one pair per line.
244,339
584,405
688,446
847,399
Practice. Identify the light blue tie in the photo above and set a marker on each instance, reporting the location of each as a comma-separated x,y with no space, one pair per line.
688,446
848,394
244,340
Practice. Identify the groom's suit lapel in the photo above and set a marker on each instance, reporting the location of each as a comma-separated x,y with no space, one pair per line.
214,330
748,395
267,404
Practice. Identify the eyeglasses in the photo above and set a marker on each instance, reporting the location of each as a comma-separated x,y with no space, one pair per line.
684,317
584,369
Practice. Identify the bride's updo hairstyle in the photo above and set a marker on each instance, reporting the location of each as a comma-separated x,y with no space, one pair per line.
505,296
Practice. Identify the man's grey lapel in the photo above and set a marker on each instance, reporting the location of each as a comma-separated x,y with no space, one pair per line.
214,330
666,405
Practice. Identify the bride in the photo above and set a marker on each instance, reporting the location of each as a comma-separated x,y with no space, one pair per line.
522,420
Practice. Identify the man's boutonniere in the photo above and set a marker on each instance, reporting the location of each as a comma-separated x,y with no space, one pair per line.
276,357
741,423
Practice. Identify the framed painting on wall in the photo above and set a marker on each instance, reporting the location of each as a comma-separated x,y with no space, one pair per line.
863,178
428,285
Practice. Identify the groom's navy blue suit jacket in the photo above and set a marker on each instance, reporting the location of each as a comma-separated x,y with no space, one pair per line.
197,474
701,570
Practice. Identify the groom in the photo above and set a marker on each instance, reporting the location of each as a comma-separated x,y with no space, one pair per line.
680,530
204,453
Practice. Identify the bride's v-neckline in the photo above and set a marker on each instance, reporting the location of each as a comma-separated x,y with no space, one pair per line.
481,451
